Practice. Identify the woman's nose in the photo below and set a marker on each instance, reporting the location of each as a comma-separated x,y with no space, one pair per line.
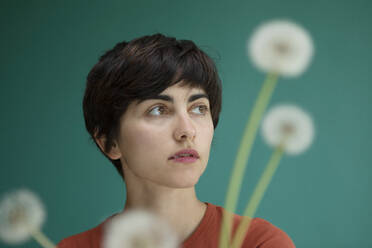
184,129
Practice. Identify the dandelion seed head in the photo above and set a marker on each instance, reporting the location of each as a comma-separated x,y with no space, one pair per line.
20,212
138,229
288,126
282,47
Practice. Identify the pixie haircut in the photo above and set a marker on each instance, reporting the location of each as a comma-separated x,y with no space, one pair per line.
138,70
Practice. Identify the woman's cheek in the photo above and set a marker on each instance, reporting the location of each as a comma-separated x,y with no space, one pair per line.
207,128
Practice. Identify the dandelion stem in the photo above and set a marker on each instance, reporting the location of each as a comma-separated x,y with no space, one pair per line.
43,240
244,151
257,196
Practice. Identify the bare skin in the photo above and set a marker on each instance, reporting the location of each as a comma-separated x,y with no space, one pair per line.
151,132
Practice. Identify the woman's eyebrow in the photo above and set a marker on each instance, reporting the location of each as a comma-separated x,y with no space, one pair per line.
197,96
170,99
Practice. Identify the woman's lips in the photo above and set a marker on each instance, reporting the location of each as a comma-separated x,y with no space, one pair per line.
185,156
185,160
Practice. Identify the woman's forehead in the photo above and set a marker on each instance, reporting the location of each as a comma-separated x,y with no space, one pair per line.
173,92
182,88
184,95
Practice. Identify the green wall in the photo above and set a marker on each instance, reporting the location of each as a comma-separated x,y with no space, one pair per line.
321,198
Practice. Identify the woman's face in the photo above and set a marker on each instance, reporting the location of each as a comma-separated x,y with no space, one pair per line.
154,130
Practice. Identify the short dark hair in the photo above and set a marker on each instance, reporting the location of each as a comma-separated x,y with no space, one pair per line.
141,69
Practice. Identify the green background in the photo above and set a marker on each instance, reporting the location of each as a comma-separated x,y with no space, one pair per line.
321,198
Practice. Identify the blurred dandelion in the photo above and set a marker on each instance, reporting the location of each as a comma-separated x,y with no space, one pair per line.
138,229
282,47
279,48
21,217
287,128
290,126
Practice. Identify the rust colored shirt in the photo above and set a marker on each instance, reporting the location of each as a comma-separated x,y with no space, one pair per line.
261,234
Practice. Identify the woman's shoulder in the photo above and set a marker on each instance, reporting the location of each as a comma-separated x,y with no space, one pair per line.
86,239
261,233
268,235
91,238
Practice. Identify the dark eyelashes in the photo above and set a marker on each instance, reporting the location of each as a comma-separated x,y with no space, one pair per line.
203,108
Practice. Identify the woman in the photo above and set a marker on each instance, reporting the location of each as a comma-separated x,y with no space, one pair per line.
151,105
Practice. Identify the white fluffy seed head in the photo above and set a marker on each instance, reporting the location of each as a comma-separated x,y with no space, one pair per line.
289,124
20,212
282,47
138,229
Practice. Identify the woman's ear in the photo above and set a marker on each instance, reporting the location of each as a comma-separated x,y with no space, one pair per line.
114,152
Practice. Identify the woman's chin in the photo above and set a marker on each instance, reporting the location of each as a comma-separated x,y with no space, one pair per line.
183,182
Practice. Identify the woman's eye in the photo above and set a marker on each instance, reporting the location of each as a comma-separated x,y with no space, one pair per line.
158,110
200,110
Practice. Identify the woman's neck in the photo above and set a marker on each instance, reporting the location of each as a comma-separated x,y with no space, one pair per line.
180,208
